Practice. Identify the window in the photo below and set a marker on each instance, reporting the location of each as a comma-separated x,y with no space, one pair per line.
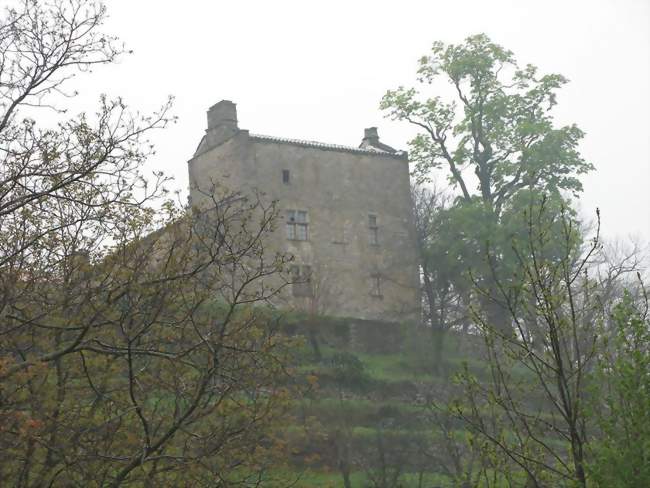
375,285
373,230
297,225
285,176
301,280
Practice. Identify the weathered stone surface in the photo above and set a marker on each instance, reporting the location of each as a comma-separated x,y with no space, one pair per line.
340,188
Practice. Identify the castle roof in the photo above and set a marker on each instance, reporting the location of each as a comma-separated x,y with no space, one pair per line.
388,151
222,125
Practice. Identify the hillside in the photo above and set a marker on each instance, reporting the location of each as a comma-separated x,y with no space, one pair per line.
368,412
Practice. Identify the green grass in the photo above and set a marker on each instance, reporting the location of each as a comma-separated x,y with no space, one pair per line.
387,367
380,398
309,478
363,404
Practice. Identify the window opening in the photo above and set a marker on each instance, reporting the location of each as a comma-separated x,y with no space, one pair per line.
375,285
373,230
297,225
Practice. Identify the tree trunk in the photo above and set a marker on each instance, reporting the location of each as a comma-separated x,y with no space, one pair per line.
438,340
344,460
496,315
313,338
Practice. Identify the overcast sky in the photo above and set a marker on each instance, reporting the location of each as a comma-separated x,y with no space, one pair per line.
317,70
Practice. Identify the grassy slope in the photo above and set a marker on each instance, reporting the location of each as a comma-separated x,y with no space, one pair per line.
373,398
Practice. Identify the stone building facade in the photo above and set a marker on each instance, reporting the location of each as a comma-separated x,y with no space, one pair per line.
346,215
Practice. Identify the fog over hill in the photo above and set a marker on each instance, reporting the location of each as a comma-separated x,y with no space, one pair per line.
317,70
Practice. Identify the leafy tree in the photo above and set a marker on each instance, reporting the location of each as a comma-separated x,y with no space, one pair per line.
620,406
529,415
443,291
503,131
498,133
130,352
463,245
563,399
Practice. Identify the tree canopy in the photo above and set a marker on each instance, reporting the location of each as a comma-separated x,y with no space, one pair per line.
499,125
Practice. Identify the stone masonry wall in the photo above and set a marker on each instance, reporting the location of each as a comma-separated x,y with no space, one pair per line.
339,189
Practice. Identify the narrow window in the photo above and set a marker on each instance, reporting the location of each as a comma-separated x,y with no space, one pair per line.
291,224
297,225
375,285
285,176
301,280
373,230
301,226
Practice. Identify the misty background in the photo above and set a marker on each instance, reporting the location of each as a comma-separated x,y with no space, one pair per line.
317,71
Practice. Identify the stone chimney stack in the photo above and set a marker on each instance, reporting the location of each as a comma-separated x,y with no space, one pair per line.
222,124
223,113
370,137
371,141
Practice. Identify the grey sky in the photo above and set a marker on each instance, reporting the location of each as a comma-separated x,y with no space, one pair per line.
317,70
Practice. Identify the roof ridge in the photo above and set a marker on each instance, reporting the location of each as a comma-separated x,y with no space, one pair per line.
327,146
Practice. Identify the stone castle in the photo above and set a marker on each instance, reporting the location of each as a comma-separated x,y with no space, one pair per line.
347,215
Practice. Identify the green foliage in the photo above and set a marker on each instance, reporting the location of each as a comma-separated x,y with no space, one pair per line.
472,246
621,403
500,125
346,370
497,132
527,417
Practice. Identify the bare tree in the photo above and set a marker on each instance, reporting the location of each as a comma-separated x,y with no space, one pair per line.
449,451
131,351
616,268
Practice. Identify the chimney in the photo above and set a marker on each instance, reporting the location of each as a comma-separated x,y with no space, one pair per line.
223,114
370,137
222,125
371,141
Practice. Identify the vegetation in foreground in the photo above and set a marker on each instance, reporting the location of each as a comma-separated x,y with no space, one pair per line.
387,414
135,350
